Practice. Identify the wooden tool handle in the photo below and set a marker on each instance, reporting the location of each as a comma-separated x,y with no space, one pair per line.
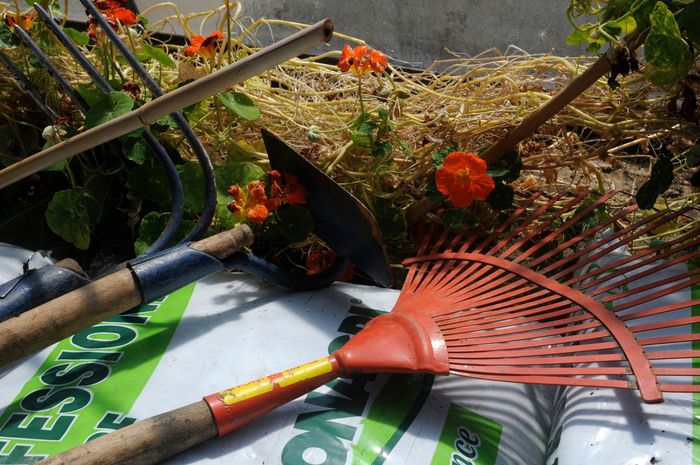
153,440
145,442
95,302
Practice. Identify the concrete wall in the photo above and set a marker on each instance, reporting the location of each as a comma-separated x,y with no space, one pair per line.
416,31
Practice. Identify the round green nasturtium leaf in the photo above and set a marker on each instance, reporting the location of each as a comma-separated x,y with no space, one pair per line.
67,216
664,48
108,107
240,104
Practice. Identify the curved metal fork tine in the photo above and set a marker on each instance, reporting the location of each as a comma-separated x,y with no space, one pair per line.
176,190
208,210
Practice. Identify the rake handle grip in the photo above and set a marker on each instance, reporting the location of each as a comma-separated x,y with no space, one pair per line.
93,303
145,442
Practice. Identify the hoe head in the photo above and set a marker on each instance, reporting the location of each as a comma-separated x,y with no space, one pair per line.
341,220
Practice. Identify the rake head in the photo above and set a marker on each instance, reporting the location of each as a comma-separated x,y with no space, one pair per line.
530,302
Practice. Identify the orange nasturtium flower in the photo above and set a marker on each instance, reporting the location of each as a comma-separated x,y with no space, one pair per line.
115,11
25,21
463,178
362,59
256,205
204,46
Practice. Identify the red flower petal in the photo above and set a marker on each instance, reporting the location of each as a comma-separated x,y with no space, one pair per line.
463,178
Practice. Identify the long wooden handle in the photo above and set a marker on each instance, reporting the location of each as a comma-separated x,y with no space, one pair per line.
173,101
145,442
95,302
150,441
567,95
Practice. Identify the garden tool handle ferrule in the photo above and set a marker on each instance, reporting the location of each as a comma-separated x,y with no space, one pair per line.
237,406
166,271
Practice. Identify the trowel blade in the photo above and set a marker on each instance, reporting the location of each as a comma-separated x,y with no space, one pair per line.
342,221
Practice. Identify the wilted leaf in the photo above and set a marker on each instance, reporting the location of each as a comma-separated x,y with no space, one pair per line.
659,181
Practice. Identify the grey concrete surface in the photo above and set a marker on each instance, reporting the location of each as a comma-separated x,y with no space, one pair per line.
414,31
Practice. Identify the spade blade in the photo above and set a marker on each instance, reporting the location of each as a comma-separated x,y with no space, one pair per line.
344,223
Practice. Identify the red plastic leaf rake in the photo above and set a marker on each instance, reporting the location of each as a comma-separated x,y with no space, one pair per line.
522,304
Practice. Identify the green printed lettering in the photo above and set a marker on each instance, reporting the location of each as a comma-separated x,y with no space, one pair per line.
114,420
18,455
87,355
70,399
130,319
368,312
353,324
104,337
320,423
85,374
36,428
467,439
337,343
293,452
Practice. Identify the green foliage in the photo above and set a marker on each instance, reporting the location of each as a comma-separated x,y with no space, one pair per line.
507,168
149,52
288,225
658,183
149,230
501,197
664,48
152,224
240,105
80,38
67,216
374,132
666,26
7,38
391,219
108,107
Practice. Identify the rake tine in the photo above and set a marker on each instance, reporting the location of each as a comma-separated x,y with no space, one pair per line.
643,274
656,295
449,270
469,269
176,190
51,69
606,274
587,233
516,246
659,311
27,87
614,241
208,210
